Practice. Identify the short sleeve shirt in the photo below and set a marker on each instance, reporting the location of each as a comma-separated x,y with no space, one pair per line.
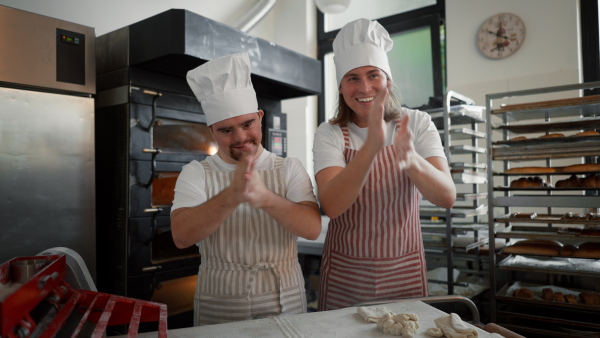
328,148
190,189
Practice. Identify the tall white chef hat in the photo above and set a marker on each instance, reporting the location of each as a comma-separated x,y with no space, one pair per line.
223,87
359,43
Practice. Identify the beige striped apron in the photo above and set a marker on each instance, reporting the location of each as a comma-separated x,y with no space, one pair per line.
249,266
374,250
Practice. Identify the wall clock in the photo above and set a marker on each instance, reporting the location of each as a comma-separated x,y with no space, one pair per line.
501,35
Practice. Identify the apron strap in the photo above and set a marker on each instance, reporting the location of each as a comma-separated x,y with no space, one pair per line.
265,266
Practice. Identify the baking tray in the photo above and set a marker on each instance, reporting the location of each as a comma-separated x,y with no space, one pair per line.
585,267
506,294
457,227
584,106
545,218
464,165
574,125
468,176
548,150
558,172
456,211
467,149
470,196
545,188
459,114
541,232
464,133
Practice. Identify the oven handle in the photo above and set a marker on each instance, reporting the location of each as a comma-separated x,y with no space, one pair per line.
154,152
154,227
155,95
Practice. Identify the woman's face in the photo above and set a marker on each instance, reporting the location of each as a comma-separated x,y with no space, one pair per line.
360,86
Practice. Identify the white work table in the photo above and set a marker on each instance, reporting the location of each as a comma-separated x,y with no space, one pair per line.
346,323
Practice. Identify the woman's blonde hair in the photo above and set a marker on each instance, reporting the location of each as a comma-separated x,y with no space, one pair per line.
343,114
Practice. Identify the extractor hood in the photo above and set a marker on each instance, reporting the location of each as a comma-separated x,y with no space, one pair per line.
177,40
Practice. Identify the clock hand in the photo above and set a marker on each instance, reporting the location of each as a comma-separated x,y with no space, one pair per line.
500,35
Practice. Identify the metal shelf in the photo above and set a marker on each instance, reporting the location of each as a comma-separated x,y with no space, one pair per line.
564,116
555,201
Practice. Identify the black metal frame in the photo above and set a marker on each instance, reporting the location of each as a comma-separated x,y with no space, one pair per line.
590,43
432,16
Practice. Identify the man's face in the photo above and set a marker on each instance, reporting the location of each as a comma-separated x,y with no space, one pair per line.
238,136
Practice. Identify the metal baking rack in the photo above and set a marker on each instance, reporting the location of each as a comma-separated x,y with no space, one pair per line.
534,119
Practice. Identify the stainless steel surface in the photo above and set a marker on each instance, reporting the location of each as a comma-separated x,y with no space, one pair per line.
23,271
77,275
28,50
47,174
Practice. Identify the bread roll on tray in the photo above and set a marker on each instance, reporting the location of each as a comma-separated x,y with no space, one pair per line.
588,250
535,247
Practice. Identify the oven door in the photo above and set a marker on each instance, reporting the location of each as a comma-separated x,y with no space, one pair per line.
168,127
151,247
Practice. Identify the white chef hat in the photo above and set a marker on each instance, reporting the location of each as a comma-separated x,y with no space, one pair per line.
223,87
359,43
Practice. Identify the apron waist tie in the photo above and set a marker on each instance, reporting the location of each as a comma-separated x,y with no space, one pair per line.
265,266
274,266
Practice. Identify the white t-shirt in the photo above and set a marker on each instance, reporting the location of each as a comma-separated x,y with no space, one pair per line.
190,189
328,148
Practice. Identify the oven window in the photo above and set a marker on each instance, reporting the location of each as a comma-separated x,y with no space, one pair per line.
183,137
163,188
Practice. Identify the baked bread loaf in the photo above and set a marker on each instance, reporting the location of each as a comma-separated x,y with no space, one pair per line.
590,230
559,297
571,182
571,299
534,247
588,250
568,250
590,181
587,297
587,133
528,215
529,182
548,294
530,170
524,293
552,135
569,231
593,216
570,216
582,167
518,138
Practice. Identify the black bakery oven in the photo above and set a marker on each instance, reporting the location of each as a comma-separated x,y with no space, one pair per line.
148,124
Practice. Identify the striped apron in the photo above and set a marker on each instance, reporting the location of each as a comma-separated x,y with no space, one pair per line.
374,250
249,266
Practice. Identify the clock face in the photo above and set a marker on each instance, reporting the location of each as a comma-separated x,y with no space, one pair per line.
501,35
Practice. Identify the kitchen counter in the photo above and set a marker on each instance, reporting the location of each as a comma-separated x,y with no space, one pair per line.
345,323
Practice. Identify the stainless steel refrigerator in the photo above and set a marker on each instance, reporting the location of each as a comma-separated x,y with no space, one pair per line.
47,164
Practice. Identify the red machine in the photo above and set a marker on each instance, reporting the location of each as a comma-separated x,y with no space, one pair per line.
37,301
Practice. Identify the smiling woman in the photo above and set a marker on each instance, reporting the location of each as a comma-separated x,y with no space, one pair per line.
373,162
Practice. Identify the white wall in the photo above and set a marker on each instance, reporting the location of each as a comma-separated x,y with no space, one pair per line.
290,24
549,56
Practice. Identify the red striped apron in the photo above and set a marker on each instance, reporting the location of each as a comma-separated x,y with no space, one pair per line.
374,250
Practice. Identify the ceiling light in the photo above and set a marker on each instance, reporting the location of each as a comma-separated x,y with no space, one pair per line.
332,6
